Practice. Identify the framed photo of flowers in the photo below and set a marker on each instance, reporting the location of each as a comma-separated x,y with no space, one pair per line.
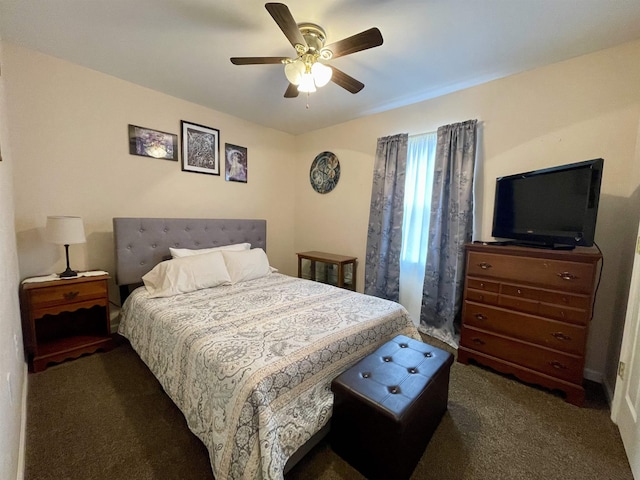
200,149
153,143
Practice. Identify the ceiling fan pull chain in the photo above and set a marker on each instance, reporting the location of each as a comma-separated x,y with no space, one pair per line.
307,107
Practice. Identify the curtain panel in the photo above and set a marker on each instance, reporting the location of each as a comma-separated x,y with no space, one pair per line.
384,236
450,227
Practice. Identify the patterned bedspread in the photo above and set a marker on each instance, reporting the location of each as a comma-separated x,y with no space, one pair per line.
250,365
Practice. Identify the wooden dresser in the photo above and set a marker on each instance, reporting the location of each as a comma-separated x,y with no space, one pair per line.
526,312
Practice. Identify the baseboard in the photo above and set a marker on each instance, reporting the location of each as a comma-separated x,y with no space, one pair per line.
114,314
23,425
594,376
609,391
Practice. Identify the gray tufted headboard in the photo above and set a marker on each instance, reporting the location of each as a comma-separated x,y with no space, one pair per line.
142,243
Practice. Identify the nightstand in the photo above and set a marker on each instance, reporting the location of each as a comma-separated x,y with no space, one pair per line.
64,319
342,263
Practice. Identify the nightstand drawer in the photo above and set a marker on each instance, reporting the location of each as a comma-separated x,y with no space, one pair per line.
66,294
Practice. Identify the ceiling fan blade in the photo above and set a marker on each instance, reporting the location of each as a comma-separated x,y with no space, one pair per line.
256,60
292,91
346,81
356,43
281,14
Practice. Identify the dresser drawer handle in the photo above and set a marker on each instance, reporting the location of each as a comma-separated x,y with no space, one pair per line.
70,295
480,316
478,341
557,365
567,276
485,265
561,336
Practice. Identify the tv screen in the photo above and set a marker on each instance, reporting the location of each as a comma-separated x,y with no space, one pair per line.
551,208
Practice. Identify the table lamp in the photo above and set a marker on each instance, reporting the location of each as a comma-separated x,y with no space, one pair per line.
65,231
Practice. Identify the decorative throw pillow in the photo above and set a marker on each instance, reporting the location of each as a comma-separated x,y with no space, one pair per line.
185,252
246,265
187,274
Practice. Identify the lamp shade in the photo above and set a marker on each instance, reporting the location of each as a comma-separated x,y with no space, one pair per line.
293,71
321,74
307,84
65,230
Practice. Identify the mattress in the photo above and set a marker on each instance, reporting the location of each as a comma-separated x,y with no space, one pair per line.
250,365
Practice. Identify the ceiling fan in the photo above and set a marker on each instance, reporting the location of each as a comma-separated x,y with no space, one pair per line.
307,70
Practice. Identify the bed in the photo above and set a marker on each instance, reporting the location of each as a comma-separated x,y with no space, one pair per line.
249,362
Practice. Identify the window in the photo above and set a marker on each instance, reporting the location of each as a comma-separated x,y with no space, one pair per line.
421,151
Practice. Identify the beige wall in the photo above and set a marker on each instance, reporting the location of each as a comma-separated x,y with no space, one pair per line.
576,110
68,129
70,141
13,372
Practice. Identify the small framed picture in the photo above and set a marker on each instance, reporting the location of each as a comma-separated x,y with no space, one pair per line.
153,143
235,167
200,149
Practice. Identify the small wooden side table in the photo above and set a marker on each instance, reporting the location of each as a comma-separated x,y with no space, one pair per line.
341,261
66,318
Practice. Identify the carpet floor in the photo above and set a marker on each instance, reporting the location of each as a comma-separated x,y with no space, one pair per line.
105,416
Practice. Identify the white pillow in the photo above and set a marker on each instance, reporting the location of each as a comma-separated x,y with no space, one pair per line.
185,252
246,265
187,274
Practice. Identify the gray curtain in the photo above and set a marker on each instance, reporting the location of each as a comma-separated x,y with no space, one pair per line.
450,228
384,237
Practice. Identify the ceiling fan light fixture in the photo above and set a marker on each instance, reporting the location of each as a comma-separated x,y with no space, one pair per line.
321,74
303,71
307,85
293,71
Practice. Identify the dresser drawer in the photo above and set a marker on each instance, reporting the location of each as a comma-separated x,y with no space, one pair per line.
485,285
520,304
566,314
66,294
549,333
550,362
566,299
550,273
520,292
481,296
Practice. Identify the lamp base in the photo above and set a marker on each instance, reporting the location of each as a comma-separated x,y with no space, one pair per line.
68,273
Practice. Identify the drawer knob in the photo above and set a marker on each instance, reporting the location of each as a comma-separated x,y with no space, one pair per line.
560,336
480,316
484,265
478,341
70,295
557,365
567,276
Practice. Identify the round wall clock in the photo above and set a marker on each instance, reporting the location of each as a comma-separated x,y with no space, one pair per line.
325,172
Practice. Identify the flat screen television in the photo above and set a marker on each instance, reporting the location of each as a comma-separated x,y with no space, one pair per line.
549,208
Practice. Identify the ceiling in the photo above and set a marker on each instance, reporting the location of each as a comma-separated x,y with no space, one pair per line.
431,47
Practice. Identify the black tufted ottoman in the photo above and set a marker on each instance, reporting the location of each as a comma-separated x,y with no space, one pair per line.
388,405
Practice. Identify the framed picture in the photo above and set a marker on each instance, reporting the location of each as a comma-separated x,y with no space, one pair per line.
200,149
152,143
235,165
